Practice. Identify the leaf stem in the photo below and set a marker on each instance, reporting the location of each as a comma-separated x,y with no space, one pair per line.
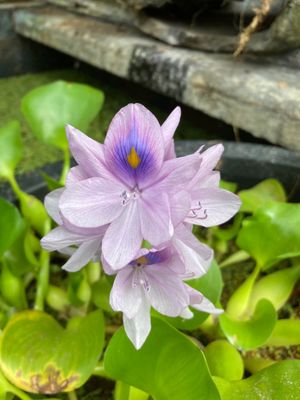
100,371
122,391
15,186
43,276
72,395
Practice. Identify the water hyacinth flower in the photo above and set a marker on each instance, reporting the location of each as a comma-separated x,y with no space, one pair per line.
155,279
133,189
129,185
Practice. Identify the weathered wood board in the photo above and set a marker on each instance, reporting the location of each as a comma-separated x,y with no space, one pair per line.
258,97
215,32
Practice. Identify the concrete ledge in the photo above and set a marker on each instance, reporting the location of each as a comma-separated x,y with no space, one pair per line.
258,97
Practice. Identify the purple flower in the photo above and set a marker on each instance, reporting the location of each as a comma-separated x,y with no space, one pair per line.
154,279
133,184
126,183
133,189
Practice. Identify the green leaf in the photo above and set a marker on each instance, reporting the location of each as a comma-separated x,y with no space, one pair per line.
276,287
235,258
285,333
224,360
277,382
11,225
238,304
11,148
39,356
254,332
49,108
168,366
269,189
226,234
12,287
210,285
272,233
231,186
21,255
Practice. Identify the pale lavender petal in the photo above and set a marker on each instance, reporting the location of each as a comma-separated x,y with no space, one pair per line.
138,327
82,255
76,174
134,145
126,295
168,129
60,237
210,180
175,174
187,314
210,158
92,203
165,290
201,303
123,238
88,153
180,206
196,256
155,217
51,204
213,207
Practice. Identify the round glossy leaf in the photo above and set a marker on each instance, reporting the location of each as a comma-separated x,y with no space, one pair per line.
210,285
276,287
254,332
39,356
272,233
49,108
285,333
280,381
168,366
11,225
269,189
11,148
224,360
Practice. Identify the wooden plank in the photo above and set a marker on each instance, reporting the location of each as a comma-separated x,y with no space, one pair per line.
260,98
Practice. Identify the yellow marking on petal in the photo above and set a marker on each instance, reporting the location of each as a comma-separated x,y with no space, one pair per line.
133,158
142,260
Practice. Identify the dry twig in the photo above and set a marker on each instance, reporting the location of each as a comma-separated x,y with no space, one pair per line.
260,15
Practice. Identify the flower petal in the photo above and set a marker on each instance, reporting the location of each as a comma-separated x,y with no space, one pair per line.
166,291
85,252
168,129
76,174
206,177
123,238
180,207
196,256
201,303
51,204
125,295
213,207
155,217
139,327
134,145
60,237
88,153
176,174
92,203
